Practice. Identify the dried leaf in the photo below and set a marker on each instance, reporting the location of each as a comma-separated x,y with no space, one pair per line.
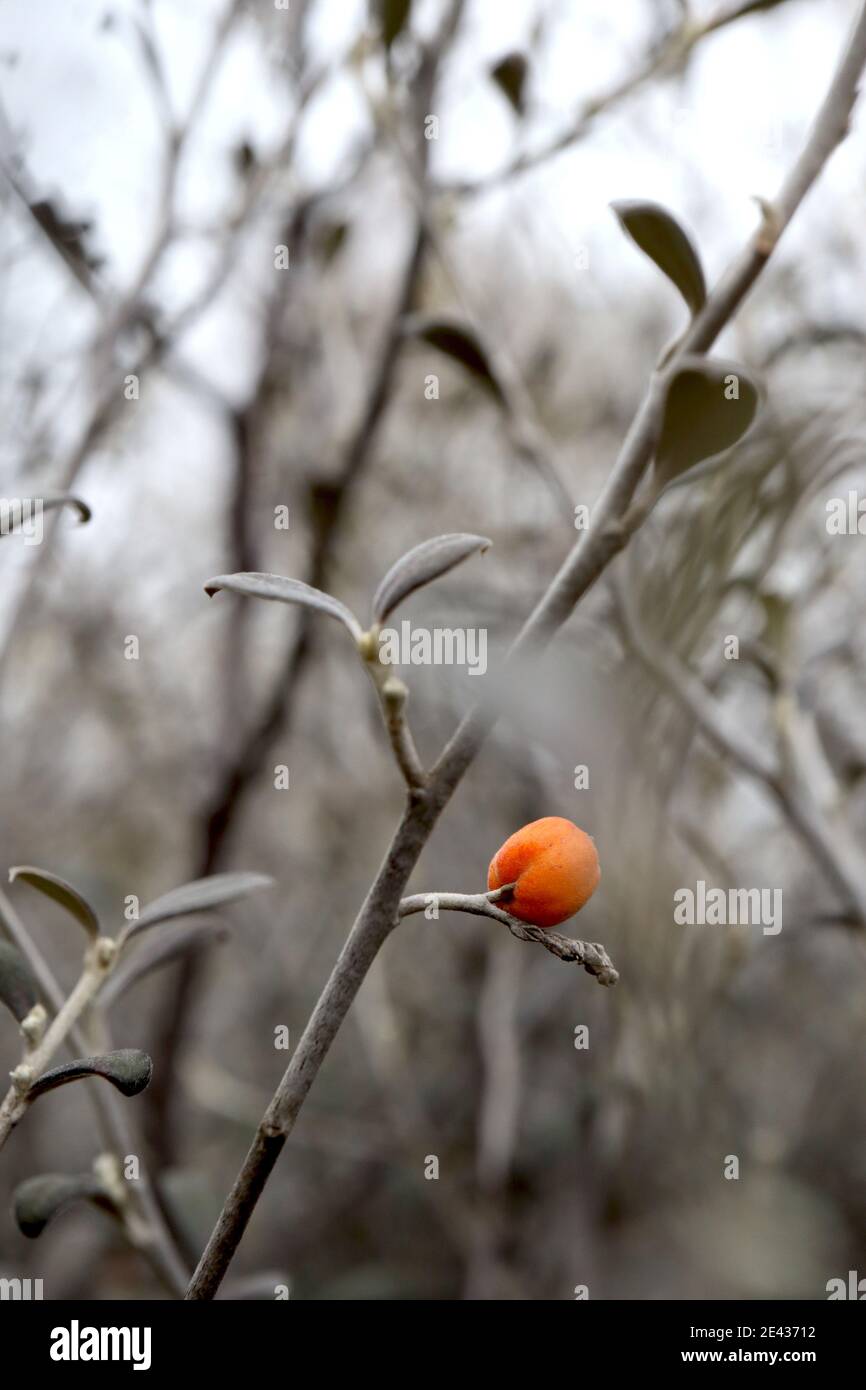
660,236
275,586
393,17
61,892
422,564
710,405
509,74
69,236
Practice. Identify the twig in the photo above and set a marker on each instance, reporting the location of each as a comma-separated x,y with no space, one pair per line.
245,763
97,963
394,696
588,559
669,55
119,315
590,954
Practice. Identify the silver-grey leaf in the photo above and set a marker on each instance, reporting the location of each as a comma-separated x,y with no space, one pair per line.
199,896
710,404
422,564
160,949
128,1070
38,1200
18,988
60,892
275,586
660,236
459,342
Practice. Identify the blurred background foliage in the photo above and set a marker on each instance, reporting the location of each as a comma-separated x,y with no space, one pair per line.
125,250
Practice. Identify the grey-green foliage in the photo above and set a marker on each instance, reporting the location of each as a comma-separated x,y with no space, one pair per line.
710,404
18,988
38,1200
661,237
60,892
127,1069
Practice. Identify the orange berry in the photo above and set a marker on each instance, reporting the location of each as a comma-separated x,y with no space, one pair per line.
553,864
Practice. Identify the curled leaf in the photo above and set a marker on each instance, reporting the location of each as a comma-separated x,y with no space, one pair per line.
199,896
61,892
160,949
459,342
128,1070
509,74
18,988
275,586
15,516
710,405
38,1200
51,500
422,564
660,236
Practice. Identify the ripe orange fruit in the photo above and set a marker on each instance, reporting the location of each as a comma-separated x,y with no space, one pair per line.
555,868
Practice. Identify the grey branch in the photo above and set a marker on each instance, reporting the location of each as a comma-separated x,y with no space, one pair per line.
670,55
590,954
394,697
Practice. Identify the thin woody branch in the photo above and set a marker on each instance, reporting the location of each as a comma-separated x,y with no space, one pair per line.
590,954
394,697
671,54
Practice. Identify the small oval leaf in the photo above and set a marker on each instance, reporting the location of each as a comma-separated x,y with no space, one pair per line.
459,342
709,406
199,896
422,564
275,586
509,74
38,1200
18,988
660,236
60,891
160,949
128,1070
